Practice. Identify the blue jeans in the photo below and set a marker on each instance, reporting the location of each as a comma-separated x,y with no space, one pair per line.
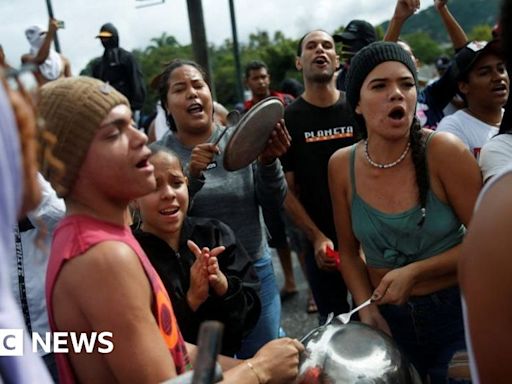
429,330
267,327
328,288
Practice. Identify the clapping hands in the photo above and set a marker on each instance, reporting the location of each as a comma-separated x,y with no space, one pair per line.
205,273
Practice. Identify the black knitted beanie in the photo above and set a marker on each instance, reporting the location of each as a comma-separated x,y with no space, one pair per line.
367,59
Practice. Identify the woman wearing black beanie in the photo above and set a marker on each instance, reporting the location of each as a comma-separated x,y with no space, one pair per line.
405,196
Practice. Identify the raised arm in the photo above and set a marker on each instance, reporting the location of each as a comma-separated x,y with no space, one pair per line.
406,8
44,51
403,10
455,31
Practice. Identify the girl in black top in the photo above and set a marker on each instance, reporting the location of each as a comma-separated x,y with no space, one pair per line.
206,272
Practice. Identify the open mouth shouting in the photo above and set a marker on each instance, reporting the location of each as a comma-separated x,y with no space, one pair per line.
195,109
500,90
397,114
320,60
144,163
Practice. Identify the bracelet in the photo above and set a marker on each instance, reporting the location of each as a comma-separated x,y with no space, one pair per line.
254,371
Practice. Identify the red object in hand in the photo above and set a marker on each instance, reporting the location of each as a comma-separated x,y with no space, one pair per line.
312,376
334,254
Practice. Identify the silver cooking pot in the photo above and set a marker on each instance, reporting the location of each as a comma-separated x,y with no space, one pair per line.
353,353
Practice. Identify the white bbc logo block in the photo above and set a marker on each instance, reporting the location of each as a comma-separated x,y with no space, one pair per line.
11,342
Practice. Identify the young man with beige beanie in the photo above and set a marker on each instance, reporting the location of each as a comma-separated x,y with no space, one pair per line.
99,279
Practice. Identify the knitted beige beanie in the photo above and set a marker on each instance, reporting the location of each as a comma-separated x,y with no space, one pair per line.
72,110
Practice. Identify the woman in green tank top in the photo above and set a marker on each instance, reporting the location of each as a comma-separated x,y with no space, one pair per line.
406,208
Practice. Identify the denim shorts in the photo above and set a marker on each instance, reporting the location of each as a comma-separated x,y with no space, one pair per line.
429,329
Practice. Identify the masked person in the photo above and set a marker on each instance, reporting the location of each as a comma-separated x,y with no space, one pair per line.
119,68
50,65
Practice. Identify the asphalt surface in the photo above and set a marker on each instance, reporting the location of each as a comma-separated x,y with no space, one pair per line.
295,321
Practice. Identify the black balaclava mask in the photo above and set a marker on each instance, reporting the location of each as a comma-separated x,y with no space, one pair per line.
110,42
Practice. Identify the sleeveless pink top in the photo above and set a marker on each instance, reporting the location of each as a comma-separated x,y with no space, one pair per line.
77,234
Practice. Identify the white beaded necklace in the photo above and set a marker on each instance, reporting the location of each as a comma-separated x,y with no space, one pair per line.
388,165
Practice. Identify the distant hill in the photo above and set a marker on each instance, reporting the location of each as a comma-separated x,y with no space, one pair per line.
469,13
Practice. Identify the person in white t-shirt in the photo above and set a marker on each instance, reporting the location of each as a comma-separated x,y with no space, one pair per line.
472,131
483,81
496,155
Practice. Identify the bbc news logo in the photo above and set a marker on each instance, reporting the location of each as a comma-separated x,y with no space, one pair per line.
12,342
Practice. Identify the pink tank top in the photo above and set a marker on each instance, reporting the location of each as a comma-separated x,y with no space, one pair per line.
78,233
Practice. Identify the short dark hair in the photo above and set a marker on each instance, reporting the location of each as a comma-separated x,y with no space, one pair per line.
254,66
299,47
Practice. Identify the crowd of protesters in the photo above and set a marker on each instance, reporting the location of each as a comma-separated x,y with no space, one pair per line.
375,182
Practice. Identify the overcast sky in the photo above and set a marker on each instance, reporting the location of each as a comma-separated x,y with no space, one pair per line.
137,26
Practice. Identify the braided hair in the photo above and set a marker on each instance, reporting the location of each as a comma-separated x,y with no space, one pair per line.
419,159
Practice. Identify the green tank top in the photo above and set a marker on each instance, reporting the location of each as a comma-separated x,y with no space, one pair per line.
392,240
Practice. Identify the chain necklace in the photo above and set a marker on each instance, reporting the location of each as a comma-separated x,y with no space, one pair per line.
388,165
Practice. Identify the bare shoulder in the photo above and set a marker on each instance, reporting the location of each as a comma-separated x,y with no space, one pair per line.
445,143
106,255
447,152
339,168
341,157
110,267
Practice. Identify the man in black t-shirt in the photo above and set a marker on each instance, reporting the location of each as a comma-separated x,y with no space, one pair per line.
319,123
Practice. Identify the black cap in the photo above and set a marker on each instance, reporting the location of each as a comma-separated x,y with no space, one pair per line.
472,51
357,30
107,30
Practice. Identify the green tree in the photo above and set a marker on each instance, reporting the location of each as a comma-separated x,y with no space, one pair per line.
162,41
425,49
482,32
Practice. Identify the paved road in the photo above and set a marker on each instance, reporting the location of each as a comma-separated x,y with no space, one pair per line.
295,321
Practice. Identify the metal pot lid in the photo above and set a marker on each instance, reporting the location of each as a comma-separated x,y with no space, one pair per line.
251,133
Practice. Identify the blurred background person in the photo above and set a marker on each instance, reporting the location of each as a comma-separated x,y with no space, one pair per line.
50,65
119,68
356,35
